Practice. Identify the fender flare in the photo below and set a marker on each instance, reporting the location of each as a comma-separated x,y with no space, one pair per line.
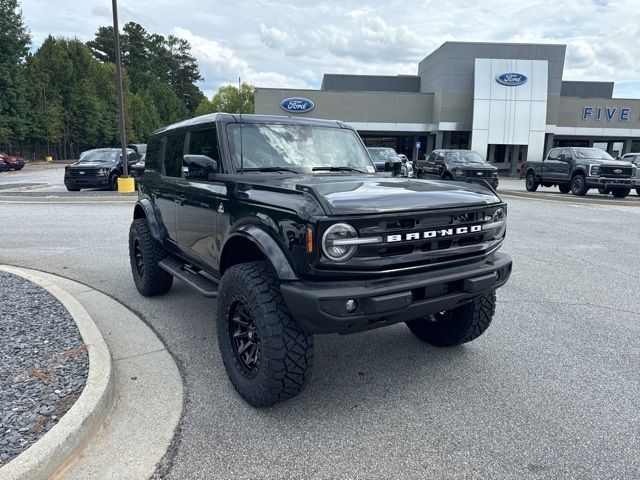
145,208
269,248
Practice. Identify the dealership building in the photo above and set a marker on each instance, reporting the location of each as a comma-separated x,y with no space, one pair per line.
507,101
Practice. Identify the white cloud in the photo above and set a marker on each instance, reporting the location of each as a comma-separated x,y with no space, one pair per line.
273,41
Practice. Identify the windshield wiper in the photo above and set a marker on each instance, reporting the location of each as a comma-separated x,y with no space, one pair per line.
269,169
337,169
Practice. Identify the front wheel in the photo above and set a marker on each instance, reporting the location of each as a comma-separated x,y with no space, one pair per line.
457,326
564,188
579,185
113,183
266,354
531,183
620,192
638,191
144,255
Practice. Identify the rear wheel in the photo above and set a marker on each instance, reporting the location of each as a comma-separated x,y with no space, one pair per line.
144,255
73,189
638,191
579,185
531,183
620,192
564,188
267,355
457,326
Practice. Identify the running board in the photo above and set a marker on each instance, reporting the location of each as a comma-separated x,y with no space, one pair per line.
200,283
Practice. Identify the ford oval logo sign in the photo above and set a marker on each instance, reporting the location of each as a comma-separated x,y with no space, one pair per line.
511,79
297,105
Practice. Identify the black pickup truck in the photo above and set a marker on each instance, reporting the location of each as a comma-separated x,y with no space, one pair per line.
285,221
577,169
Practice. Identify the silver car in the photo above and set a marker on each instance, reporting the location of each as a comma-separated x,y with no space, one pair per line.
635,159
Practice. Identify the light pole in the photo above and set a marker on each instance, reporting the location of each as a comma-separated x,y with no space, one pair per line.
126,186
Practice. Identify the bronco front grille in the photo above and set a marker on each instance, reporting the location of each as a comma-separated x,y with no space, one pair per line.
420,239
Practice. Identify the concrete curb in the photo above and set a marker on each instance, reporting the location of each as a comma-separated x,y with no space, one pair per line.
556,197
59,445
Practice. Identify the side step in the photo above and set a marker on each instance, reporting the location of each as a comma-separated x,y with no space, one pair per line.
200,283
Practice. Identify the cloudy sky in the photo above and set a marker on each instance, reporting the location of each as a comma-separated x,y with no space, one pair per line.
273,43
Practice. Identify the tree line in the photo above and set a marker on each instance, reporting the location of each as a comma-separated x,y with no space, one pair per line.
61,98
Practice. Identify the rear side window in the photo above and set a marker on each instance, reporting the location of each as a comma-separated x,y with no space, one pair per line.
153,154
173,152
204,142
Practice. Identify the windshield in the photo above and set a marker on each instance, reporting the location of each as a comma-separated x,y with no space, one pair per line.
594,153
99,156
467,157
383,155
296,147
142,149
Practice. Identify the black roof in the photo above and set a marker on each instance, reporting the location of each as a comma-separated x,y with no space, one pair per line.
236,118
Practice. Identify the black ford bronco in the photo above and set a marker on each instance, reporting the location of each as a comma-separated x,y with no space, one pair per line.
286,222
578,169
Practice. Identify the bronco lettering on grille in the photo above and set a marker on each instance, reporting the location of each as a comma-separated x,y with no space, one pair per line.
443,232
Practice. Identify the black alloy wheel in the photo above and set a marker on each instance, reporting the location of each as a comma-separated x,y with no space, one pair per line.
579,185
243,334
531,183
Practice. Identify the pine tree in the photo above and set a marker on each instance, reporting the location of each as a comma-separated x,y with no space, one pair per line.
14,46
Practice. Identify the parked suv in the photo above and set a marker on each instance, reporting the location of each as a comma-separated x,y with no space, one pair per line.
465,165
577,169
285,221
98,168
14,162
635,159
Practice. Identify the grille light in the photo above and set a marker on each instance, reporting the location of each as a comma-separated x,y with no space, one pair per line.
498,223
339,242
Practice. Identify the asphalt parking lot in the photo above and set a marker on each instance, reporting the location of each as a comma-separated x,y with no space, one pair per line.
550,391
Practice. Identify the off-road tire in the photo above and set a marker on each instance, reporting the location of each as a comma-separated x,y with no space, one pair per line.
638,191
447,176
620,192
531,183
579,185
113,183
604,191
73,189
457,326
285,349
564,188
152,280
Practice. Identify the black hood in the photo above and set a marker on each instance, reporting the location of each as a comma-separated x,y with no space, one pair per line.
89,165
607,163
367,194
470,166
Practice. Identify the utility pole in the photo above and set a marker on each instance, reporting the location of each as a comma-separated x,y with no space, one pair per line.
123,137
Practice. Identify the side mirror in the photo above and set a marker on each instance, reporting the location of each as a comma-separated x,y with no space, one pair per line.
199,167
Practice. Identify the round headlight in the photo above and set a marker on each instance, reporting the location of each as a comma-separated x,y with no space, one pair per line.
499,221
332,239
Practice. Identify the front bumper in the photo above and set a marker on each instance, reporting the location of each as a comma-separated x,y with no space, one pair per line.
319,307
90,182
604,182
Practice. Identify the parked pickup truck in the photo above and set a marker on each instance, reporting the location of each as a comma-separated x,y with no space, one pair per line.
577,169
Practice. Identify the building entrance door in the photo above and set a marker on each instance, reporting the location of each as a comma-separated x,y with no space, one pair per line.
507,157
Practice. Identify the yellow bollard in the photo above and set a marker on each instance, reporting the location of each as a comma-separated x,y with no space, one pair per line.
48,158
126,185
